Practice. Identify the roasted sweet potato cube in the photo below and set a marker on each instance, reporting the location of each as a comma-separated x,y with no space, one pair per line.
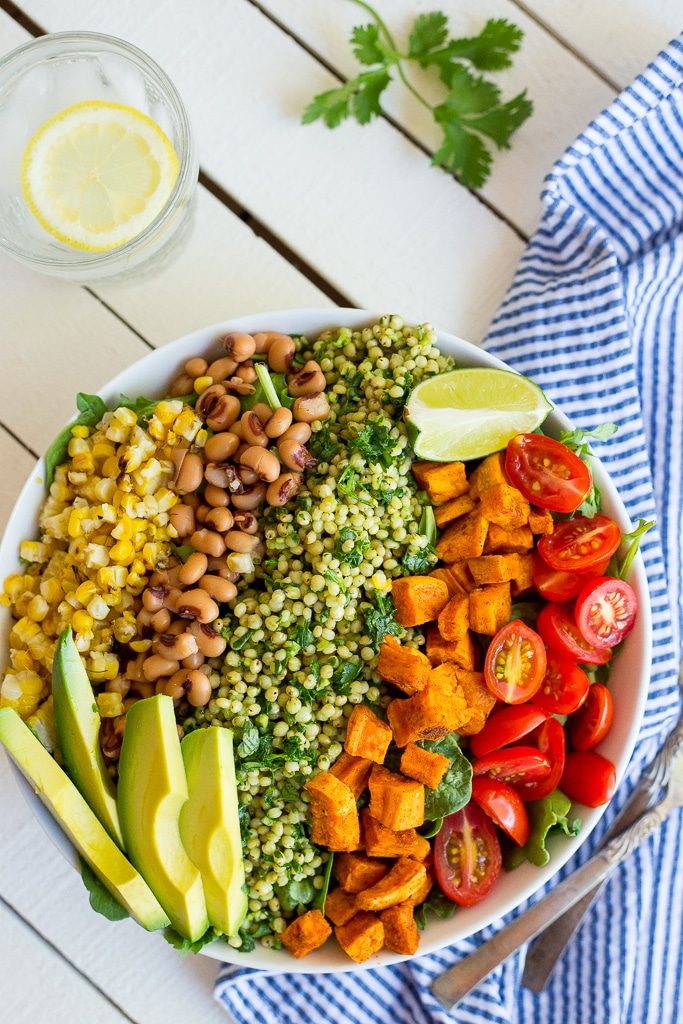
462,576
465,538
439,651
362,936
444,573
441,480
334,816
480,701
454,620
493,568
402,881
395,801
523,579
505,506
423,892
453,509
405,667
355,871
489,608
400,931
340,906
439,709
488,473
424,765
418,599
502,541
541,521
305,933
380,841
367,735
352,771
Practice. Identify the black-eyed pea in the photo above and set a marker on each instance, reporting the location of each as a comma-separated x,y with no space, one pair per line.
282,489
219,566
240,346
175,647
279,422
263,411
309,408
210,642
173,687
216,497
193,569
220,519
252,429
209,542
244,543
221,369
157,665
246,521
197,689
246,373
309,380
196,604
218,473
194,501
182,518
295,456
300,432
118,685
281,353
182,385
264,464
194,660
250,498
189,474
196,367
153,598
201,514
221,447
161,620
219,589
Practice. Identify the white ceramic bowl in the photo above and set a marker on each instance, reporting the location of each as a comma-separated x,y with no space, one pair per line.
629,682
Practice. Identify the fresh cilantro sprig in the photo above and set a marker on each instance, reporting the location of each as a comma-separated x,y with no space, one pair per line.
630,543
471,114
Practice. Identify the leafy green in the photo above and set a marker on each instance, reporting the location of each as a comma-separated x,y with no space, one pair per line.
473,110
270,389
527,611
620,565
250,740
101,900
296,893
321,895
183,551
428,524
455,789
437,904
91,409
184,946
239,642
375,443
344,676
380,621
360,543
414,564
322,446
545,816
347,481
577,442
302,636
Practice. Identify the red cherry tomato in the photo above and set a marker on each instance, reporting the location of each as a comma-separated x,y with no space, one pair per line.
559,630
564,688
588,778
547,472
467,858
506,725
553,745
514,765
515,663
556,585
580,543
504,806
590,724
605,611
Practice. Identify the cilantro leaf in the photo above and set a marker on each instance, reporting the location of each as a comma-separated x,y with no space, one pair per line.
322,445
344,676
302,636
429,31
463,154
380,620
360,544
366,44
366,97
502,121
375,443
416,563
489,51
621,564
250,740
358,97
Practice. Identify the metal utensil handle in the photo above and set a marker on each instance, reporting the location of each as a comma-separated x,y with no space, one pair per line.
456,982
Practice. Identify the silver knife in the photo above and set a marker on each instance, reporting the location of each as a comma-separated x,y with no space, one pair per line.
546,950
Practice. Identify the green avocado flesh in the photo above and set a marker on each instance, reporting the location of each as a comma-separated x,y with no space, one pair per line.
209,825
152,790
78,728
68,807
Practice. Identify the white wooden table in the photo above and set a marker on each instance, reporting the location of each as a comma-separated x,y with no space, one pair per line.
287,216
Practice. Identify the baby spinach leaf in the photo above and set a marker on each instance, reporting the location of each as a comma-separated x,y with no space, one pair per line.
296,893
91,409
437,904
321,895
545,815
101,900
455,789
184,946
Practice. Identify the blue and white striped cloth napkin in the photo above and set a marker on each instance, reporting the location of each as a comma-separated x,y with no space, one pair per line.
592,316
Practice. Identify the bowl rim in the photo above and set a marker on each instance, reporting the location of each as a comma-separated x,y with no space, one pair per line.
324,960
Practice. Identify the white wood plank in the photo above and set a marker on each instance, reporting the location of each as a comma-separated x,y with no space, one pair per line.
139,972
37,985
16,464
362,206
566,94
620,37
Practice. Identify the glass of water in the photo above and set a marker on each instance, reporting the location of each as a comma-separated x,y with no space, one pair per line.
46,77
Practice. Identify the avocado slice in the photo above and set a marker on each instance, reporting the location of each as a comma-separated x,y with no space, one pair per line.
78,728
152,791
67,806
209,825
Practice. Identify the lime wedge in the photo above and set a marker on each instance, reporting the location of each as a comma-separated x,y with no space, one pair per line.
96,174
467,414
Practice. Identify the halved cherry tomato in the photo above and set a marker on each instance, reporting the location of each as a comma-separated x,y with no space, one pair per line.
553,745
590,724
515,663
506,725
564,688
547,472
514,765
588,778
556,585
467,858
504,806
580,543
605,611
559,630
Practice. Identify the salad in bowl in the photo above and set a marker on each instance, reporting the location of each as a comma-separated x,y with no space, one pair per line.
310,658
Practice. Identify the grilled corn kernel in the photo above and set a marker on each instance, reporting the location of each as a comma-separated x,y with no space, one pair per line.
110,705
37,608
201,384
122,553
140,646
33,551
21,661
85,592
103,666
51,590
80,431
14,586
21,691
123,529
82,622
110,467
112,576
77,445
98,608
201,438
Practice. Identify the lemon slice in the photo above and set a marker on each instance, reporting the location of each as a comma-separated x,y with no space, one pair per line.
467,414
96,174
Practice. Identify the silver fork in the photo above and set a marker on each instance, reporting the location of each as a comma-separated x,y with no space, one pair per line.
456,982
